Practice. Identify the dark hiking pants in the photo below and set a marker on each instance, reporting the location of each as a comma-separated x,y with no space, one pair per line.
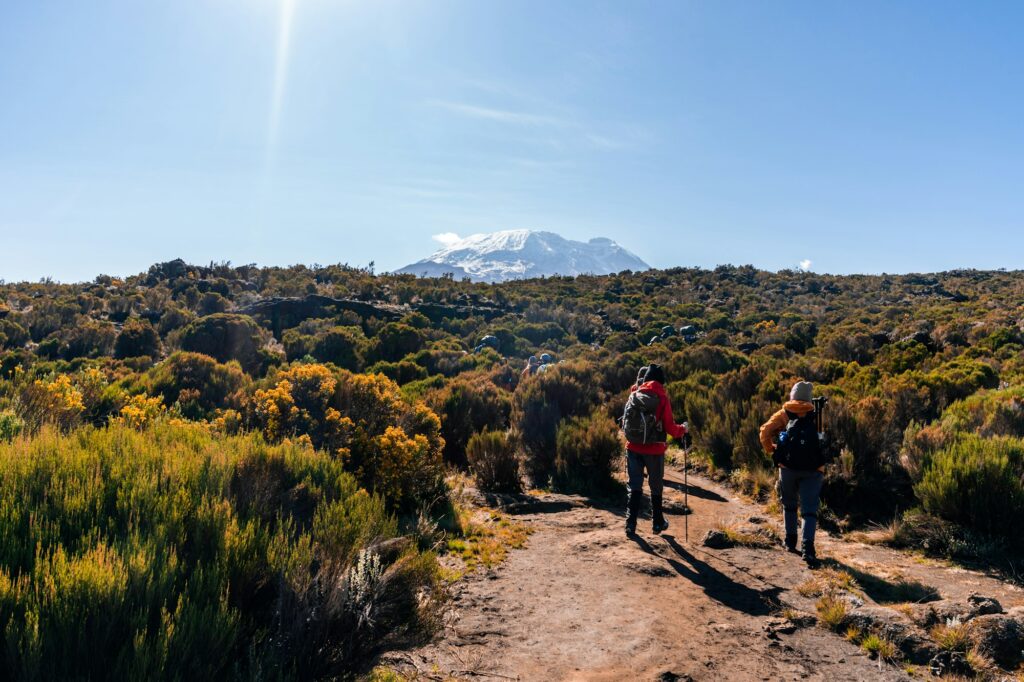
655,466
801,488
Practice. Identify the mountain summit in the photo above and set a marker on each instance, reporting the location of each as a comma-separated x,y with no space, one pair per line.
521,254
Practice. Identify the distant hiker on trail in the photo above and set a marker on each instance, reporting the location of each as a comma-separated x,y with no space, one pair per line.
531,366
792,439
646,422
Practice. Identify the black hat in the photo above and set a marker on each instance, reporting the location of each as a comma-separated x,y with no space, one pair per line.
655,373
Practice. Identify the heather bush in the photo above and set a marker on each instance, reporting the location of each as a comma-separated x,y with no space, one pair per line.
588,451
392,447
197,384
174,553
538,407
226,337
467,407
977,482
137,338
494,462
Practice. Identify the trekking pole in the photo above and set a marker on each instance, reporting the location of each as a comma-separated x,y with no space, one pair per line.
686,482
686,495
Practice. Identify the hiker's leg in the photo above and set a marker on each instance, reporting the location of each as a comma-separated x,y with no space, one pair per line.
635,472
656,477
789,496
810,496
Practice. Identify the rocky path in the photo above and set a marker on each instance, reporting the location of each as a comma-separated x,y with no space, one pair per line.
584,602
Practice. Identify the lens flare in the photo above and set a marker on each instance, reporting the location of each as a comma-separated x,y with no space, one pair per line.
284,34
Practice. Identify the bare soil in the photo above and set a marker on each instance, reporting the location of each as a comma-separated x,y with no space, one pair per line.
584,602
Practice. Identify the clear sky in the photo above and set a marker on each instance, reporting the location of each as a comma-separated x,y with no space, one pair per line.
861,136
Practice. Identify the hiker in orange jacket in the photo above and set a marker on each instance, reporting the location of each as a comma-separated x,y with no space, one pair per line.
801,465
647,450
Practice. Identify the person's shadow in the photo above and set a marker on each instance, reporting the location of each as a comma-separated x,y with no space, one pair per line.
696,491
716,584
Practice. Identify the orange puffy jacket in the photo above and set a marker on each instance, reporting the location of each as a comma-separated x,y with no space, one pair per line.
780,420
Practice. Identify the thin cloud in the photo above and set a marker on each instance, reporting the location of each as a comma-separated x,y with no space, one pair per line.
446,238
500,115
805,264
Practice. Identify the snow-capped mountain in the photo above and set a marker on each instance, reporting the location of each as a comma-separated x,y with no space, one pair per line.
521,254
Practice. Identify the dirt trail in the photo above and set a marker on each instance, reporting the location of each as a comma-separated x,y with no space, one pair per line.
584,602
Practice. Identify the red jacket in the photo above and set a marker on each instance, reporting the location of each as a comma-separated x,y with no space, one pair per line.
664,415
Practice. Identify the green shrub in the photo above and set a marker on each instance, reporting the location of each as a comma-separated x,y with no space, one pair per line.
175,553
588,452
197,384
343,346
538,407
137,338
493,460
401,372
226,337
977,482
10,426
467,407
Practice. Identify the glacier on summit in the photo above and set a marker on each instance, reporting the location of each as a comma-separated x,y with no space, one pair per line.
522,254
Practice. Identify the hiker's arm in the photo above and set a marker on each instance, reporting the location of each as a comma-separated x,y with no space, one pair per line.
677,431
771,428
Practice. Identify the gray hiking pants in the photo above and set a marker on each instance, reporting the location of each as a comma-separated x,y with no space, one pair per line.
655,466
803,487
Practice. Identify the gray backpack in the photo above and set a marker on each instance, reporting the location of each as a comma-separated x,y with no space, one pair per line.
639,423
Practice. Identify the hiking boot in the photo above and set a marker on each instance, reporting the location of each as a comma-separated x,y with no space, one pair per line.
810,556
791,544
660,523
632,509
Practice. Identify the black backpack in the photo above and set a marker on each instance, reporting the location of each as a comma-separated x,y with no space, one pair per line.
799,447
639,420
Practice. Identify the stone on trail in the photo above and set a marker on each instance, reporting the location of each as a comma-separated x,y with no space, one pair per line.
716,539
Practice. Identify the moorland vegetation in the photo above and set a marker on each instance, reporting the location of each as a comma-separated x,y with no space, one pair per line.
200,460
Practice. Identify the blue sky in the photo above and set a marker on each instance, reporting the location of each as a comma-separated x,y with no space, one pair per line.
860,136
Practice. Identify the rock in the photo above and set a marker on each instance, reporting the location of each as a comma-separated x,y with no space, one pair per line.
669,676
774,627
716,539
758,520
937,612
950,663
675,507
1000,637
984,606
914,644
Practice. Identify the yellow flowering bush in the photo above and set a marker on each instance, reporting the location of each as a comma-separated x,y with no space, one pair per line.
393,447
140,411
56,401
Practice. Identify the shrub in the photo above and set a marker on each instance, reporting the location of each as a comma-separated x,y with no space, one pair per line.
342,346
137,338
395,340
493,460
402,372
225,337
10,426
977,482
174,552
538,407
588,450
392,447
197,383
467,407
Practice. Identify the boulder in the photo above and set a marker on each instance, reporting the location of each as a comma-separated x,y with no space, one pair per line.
948,663
885,622
984,606
716,539
1000,637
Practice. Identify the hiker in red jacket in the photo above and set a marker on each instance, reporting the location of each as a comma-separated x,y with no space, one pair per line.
646,422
